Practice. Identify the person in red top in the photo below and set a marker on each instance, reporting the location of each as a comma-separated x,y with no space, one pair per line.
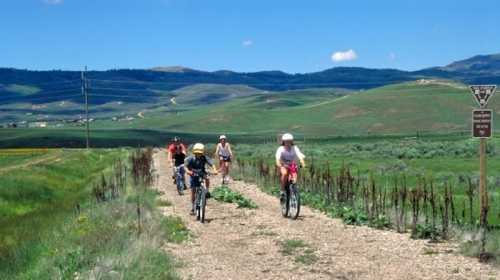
176,154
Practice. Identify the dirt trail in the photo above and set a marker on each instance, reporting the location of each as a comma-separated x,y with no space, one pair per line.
51,157
246,244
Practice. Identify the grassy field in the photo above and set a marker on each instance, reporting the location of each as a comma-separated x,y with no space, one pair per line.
37,188
100,138
412,108
395,109
52,226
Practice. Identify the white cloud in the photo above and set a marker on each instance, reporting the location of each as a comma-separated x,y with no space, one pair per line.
344,56
392,56
247,43
53,2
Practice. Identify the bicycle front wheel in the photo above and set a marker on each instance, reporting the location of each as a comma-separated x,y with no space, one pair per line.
285,205
198,204
180,185
294,202
203,204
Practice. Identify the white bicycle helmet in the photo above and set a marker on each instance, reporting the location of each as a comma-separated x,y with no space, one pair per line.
222,137
287,137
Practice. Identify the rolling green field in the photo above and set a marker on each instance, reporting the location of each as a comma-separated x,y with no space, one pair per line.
413,108
402,108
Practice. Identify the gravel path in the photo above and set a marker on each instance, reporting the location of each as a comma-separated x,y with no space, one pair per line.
248,244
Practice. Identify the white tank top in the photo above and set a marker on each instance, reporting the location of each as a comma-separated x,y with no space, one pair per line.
223,151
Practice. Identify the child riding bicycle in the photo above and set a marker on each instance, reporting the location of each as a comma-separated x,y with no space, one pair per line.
286,155
196,169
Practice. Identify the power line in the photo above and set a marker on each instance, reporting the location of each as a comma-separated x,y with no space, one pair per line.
57,91
42,98
123,96
260,83
36,97
119,89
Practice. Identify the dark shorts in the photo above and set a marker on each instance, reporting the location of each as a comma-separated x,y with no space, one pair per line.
225,158
195,182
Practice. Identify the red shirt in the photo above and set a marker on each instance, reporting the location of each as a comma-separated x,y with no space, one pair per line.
180,148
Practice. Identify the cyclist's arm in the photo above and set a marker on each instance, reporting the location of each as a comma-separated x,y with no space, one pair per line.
170,156
188,167
210,163
279,163
216,154
300,156
229,150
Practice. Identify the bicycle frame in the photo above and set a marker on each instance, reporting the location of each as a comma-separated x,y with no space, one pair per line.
179,172
200,197
292,193
293,169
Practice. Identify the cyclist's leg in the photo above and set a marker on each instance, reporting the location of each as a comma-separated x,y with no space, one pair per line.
193,184
283,178
226,167
294,177
182,171
221,165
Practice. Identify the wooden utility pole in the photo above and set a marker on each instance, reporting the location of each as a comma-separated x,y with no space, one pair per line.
86,94
483,189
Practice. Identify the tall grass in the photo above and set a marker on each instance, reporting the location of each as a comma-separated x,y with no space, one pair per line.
437,208
101,235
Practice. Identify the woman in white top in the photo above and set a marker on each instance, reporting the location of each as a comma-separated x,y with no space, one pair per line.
285,155
225,154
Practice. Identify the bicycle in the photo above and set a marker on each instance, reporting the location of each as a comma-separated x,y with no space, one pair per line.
290,206
224,169
200,200
179,172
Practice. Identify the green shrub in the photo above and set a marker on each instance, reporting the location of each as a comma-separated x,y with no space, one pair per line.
225,194
174,229
381,222
352,216
425,232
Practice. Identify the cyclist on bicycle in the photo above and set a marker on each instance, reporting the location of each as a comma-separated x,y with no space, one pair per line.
196,168
285,155
176,155
225,154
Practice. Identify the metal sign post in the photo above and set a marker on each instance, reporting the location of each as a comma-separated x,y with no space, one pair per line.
482,125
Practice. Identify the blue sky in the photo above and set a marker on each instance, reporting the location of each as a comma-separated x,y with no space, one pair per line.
245,35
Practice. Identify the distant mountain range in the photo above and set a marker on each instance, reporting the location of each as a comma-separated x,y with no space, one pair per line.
58,93
478,69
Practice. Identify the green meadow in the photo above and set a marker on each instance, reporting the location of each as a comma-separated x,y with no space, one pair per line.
52,226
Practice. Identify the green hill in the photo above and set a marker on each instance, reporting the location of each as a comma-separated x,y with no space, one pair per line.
425,106
212,93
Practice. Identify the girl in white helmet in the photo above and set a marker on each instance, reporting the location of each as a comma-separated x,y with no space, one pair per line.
285,155
225,154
